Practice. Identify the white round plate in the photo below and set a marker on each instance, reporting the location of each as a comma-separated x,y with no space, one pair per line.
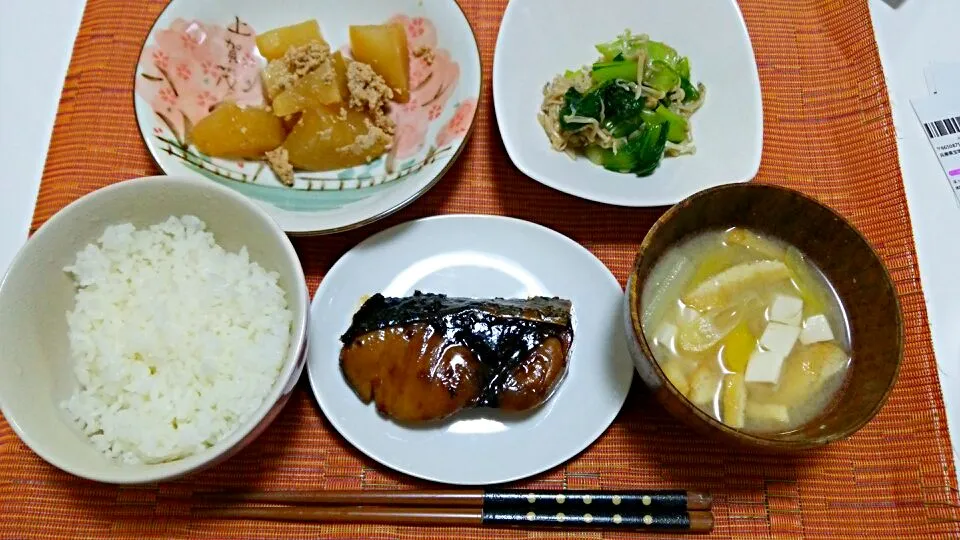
482,257
727,130
199,54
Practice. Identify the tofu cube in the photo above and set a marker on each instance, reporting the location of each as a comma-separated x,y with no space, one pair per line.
666,334
764,367
815,330
787,310
779,338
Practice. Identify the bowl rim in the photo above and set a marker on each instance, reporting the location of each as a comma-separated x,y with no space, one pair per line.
516,153
756,440
282,386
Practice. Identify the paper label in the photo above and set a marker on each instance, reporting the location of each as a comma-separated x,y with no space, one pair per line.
940,118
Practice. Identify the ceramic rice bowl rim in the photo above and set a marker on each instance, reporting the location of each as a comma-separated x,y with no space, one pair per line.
745,438
273,402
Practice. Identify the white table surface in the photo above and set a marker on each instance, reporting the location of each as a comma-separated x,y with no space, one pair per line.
910,33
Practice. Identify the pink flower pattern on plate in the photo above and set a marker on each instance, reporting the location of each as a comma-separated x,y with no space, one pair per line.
188,41
161,60
206,100
208,67
431,86
210,64
417,27
459,125
168,99
183,71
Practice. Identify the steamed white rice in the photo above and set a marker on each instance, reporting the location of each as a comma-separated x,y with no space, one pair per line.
175,342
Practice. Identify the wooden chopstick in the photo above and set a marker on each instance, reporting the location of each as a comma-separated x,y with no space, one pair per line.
349,514
452,498
477,498
694,521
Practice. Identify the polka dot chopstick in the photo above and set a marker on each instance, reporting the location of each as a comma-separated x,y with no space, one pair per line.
653,510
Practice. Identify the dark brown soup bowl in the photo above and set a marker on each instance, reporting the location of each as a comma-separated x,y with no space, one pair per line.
848,262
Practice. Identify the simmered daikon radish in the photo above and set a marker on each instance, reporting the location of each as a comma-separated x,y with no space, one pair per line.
666,283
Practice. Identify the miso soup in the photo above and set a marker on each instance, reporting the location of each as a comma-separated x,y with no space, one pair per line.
746,328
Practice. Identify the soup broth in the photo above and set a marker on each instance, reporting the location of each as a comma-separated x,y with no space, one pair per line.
747,329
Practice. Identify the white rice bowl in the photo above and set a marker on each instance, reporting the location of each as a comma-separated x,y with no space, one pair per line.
175,342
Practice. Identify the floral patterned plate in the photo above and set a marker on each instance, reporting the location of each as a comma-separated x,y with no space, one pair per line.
199,54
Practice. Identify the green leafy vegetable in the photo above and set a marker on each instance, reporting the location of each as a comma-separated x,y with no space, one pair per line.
690,92
594,153
629,46
576,104
630,121
657,51
649,147
651,117
639,125
661,76
618,99
683,68
677,131
626,45
621,126
641,154
613,104
608,71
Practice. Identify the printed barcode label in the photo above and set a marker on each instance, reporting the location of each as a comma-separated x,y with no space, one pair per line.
940,117
939,128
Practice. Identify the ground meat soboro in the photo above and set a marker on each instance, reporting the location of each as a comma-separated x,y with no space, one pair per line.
369,92
283,73
279,161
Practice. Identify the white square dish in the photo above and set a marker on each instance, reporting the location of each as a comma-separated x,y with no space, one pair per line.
540,39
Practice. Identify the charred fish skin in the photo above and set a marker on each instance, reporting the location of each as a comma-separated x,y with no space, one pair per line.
379,312
505,353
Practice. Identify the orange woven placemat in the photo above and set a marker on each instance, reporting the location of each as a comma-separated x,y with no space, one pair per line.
828,132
